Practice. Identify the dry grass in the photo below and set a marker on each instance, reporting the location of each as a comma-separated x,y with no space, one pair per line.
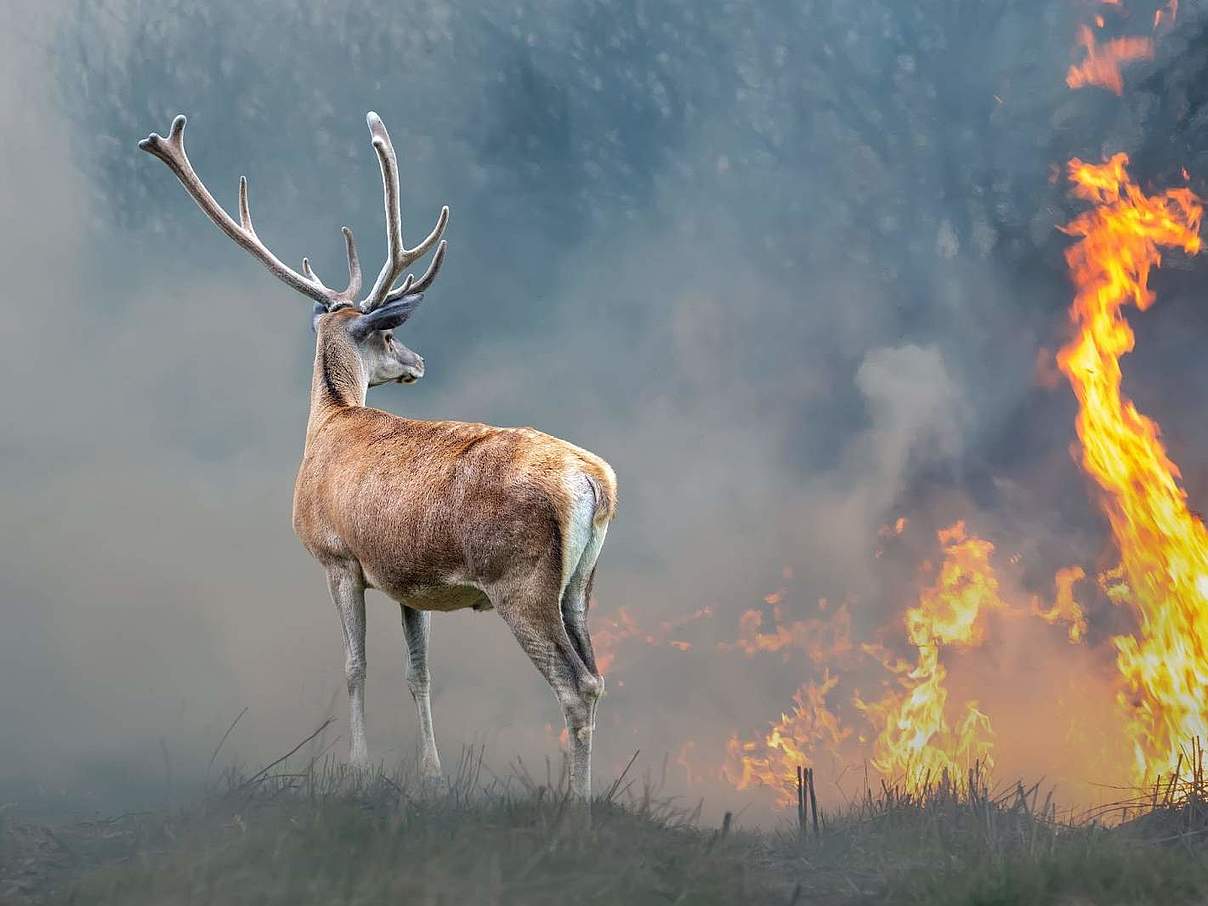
965,841
318,832
324,833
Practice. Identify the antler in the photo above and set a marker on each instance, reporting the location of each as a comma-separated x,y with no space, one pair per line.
171,151
398,255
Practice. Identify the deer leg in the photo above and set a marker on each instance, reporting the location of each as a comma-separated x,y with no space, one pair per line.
348,593
417,627
574,619
575,598
535,619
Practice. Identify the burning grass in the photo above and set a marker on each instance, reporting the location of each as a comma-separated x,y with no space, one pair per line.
964,841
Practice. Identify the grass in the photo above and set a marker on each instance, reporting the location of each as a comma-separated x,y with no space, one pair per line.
325,834
328,834
966,843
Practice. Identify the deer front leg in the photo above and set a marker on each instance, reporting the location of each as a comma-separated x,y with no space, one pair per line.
348,593
417,627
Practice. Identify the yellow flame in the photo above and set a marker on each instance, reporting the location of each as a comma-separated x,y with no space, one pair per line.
917,742
1065,608
1163,573
792,742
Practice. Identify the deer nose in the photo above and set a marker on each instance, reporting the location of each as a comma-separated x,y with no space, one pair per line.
412,371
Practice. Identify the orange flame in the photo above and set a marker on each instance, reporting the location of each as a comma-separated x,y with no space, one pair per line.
1101,65
621,627
917,743
1166,14
1065,609
820,639
1163,546
562,737
774,761
917,737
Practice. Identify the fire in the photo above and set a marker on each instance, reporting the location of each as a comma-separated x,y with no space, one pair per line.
788,744
621,627
917,742
1166,14
561,737
607,638
820,638
894,528
1065,609
1101,65
1163,571
917,734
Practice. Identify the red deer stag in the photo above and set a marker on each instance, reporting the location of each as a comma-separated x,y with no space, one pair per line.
438,515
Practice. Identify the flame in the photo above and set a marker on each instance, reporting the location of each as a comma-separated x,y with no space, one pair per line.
562,737
621,628
607,638
1101,65
917,735
1065,609
1166,14
917,743
773,762
1163,570
820,639
894,528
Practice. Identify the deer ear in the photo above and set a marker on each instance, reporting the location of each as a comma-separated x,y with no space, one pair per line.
319,311
387,317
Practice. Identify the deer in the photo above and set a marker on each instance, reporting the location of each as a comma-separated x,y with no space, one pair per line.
437,515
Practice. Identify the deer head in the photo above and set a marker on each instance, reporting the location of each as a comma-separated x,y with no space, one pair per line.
364,326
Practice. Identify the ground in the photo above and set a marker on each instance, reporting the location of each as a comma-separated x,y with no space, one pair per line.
325,835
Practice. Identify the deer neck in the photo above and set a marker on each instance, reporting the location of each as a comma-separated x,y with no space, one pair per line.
339,380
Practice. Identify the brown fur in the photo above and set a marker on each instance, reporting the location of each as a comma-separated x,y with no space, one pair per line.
435,513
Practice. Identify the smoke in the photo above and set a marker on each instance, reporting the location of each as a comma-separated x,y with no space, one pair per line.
786,266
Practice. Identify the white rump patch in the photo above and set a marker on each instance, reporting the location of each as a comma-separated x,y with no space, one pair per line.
577,534
582,542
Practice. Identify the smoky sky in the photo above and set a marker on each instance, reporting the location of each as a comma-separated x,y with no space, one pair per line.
789,267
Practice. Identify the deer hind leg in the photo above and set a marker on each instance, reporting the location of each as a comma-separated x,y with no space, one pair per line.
575,599
348,592
533,614
417,628
584,540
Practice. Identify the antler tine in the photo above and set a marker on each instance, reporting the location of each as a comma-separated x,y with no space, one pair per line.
354,265
409,287
171,151
354,270
398,255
